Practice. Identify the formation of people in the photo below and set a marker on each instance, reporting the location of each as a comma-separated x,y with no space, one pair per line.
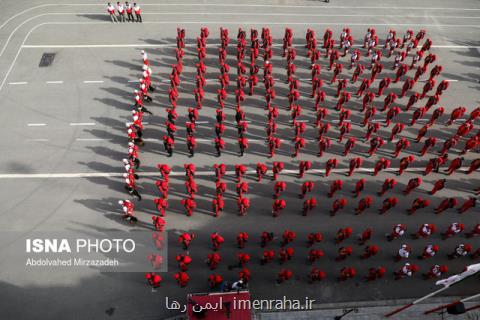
360,246
381,100
124,12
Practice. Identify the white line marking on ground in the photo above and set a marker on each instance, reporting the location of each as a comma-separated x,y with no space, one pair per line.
17,83
55,82
132,81
93,81
37,140
201,122
36,124
82,123
179,173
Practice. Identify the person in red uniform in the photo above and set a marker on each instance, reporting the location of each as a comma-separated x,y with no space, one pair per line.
277,168
412,184
384,84
397,231
265,238
376,273
261,171
447,203
425,230
242,238
285,254
314,254
182,278
303,166
429,143
330,164
158,223
338,205
313,238
468,204
454,165
278,206
475,231
359,186
363,204
316,275
347,273
343,234
397,128
335,186
453,229
288,236
412,100
370,251
185,239
284,275
309,205
355,163
217,240
268,256
474,166
461,250
307,186
456,114
438,185
375,144
422,132
404,163
402,144
402,70
184,261
407,270
417,204
388,204
380,165
154,280
388,184
365,236
343,253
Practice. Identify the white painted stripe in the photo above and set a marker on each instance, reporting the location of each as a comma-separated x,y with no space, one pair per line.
201,122
131,81
93,81
151,139
55,82
180,173
37,140
82,124
36,124
17,83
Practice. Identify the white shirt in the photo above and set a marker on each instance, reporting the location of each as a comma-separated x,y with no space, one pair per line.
404,252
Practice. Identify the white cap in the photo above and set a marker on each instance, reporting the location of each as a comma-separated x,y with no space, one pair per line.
135,118
127,181
120,202
125,175
130,150
143,51
144,67
131,144
129,130
136,91
125,161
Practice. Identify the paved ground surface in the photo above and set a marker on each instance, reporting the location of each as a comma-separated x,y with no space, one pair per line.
70,118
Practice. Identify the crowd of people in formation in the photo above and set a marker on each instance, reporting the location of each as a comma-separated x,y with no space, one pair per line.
315,256
374,101
124,12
